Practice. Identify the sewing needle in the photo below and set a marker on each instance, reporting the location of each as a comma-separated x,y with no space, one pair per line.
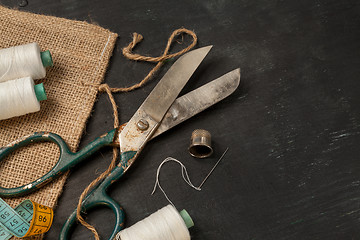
222,156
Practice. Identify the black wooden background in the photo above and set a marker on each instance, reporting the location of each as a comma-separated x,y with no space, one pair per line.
292,127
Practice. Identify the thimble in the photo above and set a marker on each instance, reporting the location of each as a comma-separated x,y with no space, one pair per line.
200,145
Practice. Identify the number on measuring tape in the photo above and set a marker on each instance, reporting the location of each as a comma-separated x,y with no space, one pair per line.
27,219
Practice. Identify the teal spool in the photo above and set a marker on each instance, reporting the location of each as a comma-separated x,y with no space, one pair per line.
40,92
46,58
187,218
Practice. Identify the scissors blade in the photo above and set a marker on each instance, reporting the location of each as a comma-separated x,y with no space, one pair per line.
149,115
199,99
169,87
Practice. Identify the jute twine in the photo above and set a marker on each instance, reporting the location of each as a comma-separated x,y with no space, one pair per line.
127,52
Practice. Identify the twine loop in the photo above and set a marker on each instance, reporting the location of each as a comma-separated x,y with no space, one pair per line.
127,52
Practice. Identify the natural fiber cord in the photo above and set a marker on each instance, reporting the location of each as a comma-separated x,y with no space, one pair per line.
105,88
80,51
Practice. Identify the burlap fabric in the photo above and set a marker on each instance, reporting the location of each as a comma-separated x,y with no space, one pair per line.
80,51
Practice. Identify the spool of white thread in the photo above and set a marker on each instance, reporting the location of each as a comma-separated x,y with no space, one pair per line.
23,61
19,97
165,224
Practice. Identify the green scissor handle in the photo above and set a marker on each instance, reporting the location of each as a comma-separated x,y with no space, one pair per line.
98,197
67,158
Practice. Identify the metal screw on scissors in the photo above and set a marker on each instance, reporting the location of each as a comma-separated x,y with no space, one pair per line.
158,113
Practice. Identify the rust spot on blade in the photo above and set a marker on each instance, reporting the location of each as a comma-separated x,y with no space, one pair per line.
104,135
116,142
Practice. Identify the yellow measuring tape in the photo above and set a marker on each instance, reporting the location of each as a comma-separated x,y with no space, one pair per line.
27,219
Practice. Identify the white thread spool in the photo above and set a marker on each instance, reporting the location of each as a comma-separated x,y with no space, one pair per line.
165,224
23,61
19,97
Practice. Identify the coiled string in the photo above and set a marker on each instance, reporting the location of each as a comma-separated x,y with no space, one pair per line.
17,97
127,52
164,224
21,61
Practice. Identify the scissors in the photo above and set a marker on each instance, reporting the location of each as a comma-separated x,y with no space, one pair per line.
159,112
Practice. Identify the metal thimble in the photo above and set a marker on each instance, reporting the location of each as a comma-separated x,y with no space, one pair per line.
200,145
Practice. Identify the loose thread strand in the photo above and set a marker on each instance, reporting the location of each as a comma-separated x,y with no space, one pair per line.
184,174
127,52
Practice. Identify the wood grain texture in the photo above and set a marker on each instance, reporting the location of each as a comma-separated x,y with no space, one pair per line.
292,128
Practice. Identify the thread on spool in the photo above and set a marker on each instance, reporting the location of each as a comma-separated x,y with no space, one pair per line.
164,224
18,97
23,61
